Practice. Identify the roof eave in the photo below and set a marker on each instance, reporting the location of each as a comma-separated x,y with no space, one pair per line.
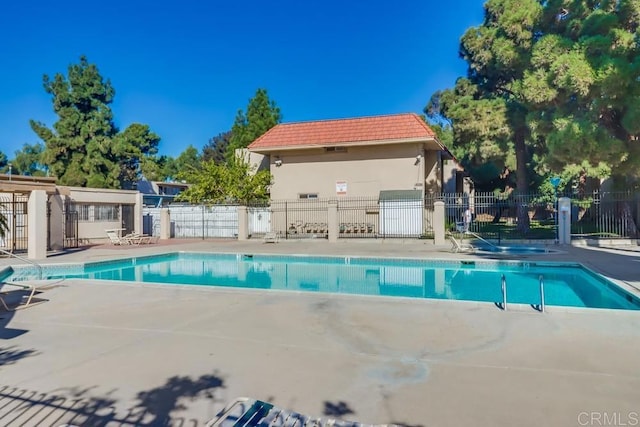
270,149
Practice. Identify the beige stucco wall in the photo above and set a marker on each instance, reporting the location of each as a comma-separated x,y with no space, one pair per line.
56,221
257,161
95,231
365,170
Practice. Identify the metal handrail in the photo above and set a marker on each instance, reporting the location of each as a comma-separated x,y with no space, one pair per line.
35,264
541,280
504,292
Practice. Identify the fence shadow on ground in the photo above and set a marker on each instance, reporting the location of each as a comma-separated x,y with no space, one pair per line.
82,407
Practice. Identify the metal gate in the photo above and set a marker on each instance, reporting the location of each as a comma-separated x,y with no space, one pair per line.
14,209
259,220
71,229
127,219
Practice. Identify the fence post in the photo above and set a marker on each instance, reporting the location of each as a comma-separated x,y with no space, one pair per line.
165,224
56,222
243,223
564,221
438,223
37,225
332,221
137,214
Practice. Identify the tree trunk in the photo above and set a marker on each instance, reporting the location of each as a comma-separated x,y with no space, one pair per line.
522,180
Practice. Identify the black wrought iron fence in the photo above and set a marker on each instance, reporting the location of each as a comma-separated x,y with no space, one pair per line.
14,209
497,216
358,217
300,219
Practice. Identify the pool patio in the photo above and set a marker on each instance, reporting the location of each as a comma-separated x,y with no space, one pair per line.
120,354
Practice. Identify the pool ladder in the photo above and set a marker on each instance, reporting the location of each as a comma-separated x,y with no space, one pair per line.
503,288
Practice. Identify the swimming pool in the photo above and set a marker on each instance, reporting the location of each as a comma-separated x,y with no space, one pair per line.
515,250
566,284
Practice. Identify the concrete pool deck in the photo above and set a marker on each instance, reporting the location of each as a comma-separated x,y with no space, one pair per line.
119,354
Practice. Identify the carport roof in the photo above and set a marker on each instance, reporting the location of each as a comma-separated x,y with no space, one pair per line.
395,128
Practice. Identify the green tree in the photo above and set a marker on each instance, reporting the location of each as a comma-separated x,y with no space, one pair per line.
131,148
85,148
216,148
552,87
158,168
232,182
262,114
28,160
187,162
3,162
486,108
583,89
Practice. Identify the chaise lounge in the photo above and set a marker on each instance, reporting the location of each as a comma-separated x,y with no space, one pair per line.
256,413
460,246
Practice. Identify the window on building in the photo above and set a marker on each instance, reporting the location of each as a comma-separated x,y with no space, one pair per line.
335,149
106,213
308,196
83,212
97,212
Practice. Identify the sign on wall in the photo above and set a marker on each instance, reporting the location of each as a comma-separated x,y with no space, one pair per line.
341,188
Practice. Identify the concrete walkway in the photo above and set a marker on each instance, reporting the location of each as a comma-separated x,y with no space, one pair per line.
120,354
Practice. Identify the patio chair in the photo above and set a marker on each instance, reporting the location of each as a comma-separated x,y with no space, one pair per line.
137,239
115,238
271,237
460,246
256,413
16,296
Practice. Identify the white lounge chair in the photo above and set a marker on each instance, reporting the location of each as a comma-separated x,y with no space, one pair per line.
460,246
256,413
16,296
137,239
271,237
115,238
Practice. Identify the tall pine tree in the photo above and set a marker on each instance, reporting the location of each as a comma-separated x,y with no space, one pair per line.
84,148
262,114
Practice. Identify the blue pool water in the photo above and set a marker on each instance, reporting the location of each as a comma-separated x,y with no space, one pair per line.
565,284
515,250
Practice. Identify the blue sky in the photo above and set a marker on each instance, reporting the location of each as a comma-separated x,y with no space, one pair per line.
185,68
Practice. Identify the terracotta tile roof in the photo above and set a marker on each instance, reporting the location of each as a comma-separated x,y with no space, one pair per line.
344,131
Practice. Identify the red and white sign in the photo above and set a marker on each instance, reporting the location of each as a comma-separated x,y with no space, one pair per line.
341,188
